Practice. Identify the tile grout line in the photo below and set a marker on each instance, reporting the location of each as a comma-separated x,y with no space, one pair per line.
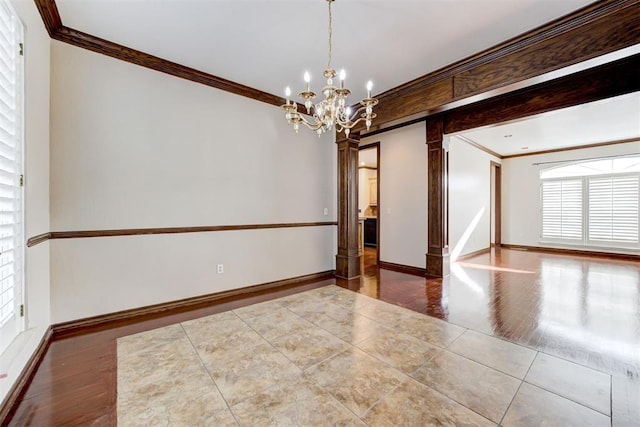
452,399
382,398
610,416
611,399
354,346
518,390
313,365
567,398
275,348
457,338
302,371
209,373
409,377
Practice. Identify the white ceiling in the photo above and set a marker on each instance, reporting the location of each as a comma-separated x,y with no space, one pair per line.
269,44
602,121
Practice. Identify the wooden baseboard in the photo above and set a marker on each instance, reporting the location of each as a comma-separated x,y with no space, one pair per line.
474,253
19,388
574,252
416,271
89,324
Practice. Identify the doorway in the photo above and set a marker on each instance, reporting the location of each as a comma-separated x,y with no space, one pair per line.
369,204
496,205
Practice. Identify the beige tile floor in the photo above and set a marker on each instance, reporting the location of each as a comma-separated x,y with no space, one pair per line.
333,357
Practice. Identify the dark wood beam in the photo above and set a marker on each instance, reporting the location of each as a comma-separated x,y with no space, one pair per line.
606,81
600,28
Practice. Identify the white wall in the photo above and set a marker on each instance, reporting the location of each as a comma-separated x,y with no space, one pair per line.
131,147
402,202
521,191
469,198
37,49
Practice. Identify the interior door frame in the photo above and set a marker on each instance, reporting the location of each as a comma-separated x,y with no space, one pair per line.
495,195
375,145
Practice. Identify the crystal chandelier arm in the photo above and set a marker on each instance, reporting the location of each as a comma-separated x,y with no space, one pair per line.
315,125
356,113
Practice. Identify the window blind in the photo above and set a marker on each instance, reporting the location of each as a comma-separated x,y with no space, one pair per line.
10,161
613,209
562,209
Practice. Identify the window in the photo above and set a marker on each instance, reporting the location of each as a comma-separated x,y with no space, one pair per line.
613,209
562,209
11,223
593,203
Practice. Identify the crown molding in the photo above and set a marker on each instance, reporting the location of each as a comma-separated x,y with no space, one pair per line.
599,28
57,31
575,147
479,146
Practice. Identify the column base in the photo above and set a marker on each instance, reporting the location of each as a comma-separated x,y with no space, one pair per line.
438,265
348,267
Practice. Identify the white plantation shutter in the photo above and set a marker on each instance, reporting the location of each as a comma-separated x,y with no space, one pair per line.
562,209
11,234
613,208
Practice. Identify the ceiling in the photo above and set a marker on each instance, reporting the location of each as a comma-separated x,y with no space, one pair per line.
608,120
268,44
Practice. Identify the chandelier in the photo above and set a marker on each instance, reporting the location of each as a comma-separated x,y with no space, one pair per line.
333,109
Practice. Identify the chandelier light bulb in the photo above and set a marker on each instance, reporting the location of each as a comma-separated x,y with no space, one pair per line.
369,87
287,94
307,77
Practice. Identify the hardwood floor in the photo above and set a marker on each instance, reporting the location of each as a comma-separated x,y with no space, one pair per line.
581,309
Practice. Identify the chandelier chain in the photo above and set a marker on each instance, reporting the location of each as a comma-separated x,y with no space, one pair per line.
330,35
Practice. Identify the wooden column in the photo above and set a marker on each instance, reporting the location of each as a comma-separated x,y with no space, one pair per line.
437,199
348,257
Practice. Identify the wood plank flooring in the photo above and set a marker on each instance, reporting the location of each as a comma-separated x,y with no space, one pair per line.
578,308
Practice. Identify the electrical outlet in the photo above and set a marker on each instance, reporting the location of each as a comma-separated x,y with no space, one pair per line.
220,268
326,211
